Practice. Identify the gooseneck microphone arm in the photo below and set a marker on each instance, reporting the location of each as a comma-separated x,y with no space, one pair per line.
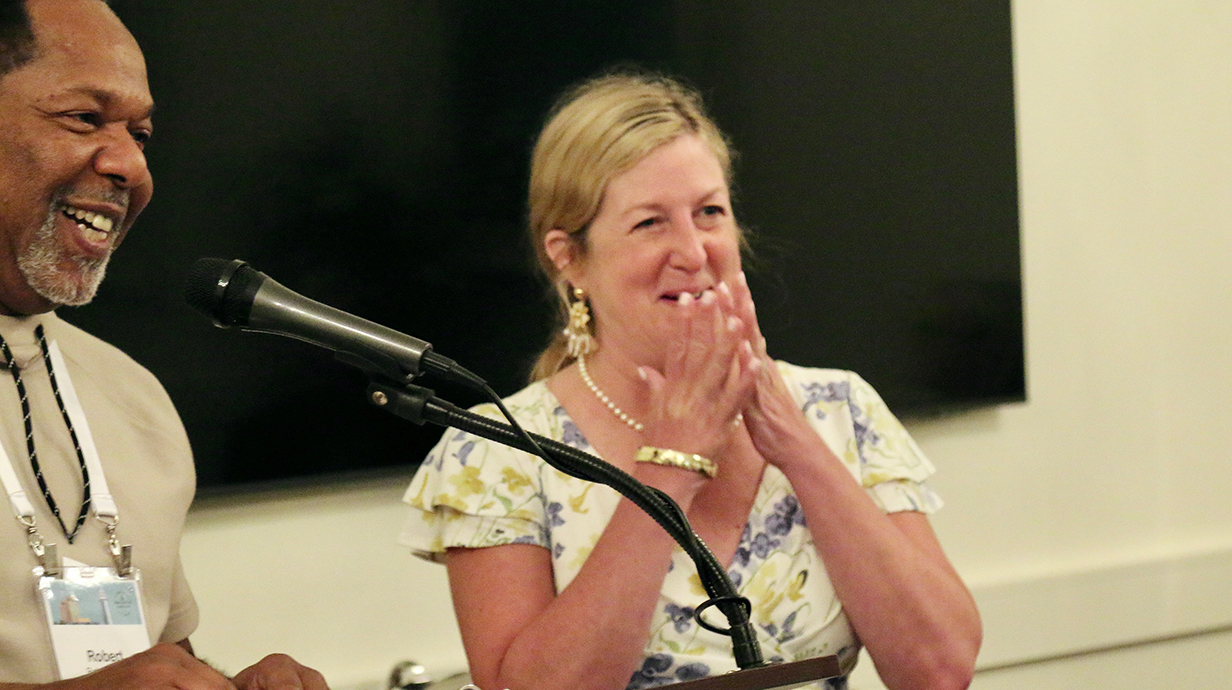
234,295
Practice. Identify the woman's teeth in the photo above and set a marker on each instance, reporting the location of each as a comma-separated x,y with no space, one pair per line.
694,295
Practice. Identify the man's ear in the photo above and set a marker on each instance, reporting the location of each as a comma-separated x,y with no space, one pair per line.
561,249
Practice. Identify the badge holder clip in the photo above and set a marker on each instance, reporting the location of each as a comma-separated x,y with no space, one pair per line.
44,553
122,554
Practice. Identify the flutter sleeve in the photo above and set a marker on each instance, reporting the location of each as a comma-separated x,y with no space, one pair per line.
853,419
472,493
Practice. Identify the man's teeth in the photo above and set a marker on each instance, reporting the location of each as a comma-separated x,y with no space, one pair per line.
95,225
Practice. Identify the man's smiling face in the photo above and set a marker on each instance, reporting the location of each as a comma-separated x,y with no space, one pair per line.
73,125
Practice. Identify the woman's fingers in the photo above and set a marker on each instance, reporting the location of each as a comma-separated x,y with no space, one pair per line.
741,386
747,311
705,341
710,372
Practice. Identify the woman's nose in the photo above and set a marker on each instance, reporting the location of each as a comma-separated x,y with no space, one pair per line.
688,244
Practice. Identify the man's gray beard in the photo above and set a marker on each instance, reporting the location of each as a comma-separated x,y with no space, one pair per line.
40,265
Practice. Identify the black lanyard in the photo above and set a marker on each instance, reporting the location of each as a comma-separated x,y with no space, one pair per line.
34,463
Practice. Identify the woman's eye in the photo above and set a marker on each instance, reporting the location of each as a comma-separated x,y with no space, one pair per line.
710,216
646,223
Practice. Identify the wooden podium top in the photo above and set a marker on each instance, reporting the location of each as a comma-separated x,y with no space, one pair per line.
766,677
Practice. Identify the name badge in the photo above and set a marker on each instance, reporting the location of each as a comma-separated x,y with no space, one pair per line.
95,616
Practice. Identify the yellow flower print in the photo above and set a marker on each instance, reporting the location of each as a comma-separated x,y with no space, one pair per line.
695,584
762,588
577,503
418,500
467,482
523,514
875,477
582,554
795,590
515,482
447,501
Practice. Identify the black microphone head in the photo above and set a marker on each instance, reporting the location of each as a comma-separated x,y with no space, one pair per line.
222,290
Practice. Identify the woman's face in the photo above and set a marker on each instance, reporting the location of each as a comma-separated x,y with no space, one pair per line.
665,228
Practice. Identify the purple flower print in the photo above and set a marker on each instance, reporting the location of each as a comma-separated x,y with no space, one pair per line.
464,452
655,671
682,617
553,515
762,544
572,436
787,514
830,392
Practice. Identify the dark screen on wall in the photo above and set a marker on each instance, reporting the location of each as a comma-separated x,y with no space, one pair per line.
373,156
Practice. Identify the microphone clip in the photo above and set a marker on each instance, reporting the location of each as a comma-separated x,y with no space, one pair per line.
406,400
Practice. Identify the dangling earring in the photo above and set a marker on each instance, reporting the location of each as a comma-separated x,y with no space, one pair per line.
579,340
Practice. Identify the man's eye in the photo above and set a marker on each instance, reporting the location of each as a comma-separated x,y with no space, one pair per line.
92,119
141,136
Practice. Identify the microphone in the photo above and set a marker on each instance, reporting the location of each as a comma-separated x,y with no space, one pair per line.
235,295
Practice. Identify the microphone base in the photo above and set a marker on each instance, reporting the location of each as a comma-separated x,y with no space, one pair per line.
782,675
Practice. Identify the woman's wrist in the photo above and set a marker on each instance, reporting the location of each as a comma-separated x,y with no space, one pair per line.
674,458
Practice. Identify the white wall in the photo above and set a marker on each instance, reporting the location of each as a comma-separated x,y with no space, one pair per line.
1093,522
316,574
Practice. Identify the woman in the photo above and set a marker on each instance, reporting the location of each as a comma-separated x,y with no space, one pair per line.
817,507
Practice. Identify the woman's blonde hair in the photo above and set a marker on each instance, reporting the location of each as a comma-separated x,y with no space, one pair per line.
596,131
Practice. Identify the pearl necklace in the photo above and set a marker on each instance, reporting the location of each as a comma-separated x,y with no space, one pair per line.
590,383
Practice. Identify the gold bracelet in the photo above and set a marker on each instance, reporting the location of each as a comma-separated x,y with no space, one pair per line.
674,458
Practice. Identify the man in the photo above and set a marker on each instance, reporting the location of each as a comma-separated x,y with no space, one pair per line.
75,114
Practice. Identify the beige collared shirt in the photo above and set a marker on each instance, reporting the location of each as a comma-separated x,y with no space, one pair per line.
148,462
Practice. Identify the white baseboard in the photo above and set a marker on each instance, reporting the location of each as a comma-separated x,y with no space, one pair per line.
1155,597
1087,624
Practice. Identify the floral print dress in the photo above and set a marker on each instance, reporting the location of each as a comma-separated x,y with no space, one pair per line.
474,493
